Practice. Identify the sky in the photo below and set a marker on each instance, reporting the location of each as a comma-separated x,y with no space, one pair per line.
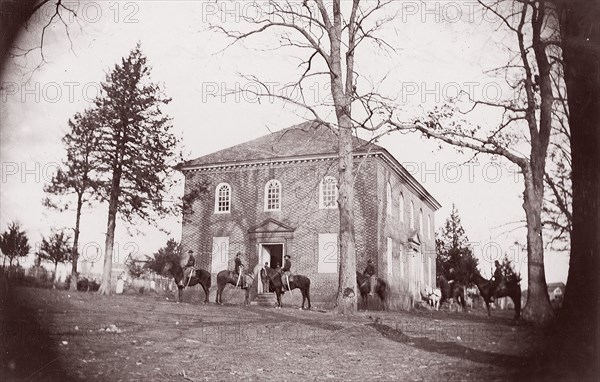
436,48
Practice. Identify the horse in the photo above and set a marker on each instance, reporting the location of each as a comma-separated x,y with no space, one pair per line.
432,296
200,276
452,292
295,282
382,289
504,289
229,277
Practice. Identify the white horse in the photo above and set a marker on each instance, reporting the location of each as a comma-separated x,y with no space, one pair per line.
432,296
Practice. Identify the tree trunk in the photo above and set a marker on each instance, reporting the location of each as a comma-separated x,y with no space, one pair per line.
55,274
75,254
105,286
578,317
537,309
347,292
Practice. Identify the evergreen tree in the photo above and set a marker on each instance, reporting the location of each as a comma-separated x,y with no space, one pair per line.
56,250
455,260
14,243
165,255
136,150
78,175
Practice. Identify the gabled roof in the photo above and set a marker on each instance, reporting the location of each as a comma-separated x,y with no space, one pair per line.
271,225
305,139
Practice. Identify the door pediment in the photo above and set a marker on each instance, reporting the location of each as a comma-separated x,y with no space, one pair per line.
271,226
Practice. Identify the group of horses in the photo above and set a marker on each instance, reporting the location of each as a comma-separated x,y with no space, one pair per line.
451,292
455,292
273,277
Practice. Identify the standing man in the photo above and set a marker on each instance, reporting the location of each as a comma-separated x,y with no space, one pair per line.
370,273
188,270
239,269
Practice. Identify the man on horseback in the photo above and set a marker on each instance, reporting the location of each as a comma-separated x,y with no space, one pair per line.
370,273
496,280
239,270
188,270
285,271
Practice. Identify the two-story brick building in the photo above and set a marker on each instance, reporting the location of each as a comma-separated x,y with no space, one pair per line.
277,195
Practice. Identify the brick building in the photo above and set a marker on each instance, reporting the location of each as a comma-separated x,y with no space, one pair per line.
276,195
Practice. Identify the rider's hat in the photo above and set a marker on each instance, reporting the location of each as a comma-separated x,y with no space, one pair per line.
239,253
288,256
369,261
190,251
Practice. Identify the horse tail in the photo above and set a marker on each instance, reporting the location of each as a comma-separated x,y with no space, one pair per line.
208,280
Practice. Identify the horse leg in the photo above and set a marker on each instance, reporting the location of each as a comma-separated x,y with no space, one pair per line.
205,293
219,300
247,299
180,294
487,304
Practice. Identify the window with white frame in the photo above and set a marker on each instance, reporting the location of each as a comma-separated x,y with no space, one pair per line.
401,209
388,192
328,253
421,222
390,258
429,227
328,192
412,215
402,259
223,198
273,195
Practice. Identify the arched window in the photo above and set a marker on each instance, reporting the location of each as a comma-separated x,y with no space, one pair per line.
328,192
401,210
273,195
389,198
412,215
429,227
223,198
421,222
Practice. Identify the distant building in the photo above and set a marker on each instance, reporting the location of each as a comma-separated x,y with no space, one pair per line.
556,293
277,195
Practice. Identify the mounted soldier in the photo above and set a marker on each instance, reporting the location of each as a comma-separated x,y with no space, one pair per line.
370,273
286,271
190,267
496,279
239,270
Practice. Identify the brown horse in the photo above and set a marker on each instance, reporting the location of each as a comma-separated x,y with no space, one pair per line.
295,281
229,277
200,276
451,292
382,289
504,289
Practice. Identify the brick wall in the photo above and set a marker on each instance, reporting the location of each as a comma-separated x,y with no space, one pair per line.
300,211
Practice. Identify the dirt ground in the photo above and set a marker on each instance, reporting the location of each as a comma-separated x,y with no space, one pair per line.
60,335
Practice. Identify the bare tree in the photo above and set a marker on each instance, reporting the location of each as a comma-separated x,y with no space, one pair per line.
528,116
330,34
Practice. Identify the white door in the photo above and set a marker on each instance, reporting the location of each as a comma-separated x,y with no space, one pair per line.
220,254
265,254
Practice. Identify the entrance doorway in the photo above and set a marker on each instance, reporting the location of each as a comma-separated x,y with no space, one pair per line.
271,253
